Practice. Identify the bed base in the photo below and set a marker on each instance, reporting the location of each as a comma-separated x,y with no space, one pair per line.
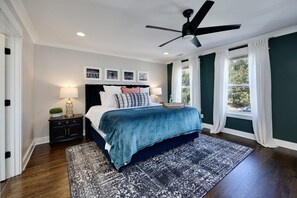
147,152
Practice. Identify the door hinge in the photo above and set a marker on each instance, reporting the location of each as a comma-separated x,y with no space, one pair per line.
7,154
7,51
7,103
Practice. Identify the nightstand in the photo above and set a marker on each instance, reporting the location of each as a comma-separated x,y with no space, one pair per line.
63,129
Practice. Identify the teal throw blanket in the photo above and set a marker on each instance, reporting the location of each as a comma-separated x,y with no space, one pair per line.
130,130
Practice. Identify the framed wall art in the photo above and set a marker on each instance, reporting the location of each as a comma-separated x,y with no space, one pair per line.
112,74
92,73
143,76
128,76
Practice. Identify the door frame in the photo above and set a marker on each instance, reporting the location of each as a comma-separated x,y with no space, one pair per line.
2,110
14,34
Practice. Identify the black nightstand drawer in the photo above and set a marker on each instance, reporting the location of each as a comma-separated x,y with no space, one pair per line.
75,121
64,129
58,123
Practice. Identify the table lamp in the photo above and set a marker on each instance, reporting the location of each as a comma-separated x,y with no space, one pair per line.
156,91
69,92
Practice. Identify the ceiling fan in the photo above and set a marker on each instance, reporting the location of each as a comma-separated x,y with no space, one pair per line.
190,28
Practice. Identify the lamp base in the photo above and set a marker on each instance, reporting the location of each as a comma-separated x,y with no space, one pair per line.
157,100
69,109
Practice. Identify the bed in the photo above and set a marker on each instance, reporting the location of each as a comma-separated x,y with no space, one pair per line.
152,145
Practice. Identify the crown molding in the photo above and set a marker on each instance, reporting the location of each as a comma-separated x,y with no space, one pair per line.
11,18
71,47
25,19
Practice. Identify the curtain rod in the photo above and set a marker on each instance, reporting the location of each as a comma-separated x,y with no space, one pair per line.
238,47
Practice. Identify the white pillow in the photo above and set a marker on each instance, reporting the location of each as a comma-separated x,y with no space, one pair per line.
103,98
146,90
110,91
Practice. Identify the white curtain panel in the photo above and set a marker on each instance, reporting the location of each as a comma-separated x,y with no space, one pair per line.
195,94
176,81
260,88
220,91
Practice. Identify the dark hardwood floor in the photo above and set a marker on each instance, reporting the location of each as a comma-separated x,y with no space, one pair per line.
264,173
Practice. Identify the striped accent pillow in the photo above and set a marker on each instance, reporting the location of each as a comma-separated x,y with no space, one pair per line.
132,100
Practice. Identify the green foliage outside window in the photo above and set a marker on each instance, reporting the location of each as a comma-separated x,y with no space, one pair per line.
185,86
238,84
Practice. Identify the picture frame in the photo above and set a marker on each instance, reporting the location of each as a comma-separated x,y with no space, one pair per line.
92,73
111,74
128,75
142,76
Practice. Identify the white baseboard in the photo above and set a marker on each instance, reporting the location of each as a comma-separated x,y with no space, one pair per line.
42,140
208,126
286,144
28,154
247,135
251,136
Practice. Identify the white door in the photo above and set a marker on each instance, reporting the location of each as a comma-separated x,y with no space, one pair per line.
2,107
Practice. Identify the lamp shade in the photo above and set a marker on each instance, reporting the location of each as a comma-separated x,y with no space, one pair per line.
68,92
157,91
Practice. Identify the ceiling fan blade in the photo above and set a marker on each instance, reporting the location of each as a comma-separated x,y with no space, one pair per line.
208,30
196,42
201,14
161,28
169,41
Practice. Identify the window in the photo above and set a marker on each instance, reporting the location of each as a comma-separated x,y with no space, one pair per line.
238,86
186,86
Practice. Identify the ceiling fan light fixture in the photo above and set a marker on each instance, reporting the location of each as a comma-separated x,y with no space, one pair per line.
188,37
191,29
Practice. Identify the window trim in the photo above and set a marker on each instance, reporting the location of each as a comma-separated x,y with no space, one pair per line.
235,114
238,53
239,115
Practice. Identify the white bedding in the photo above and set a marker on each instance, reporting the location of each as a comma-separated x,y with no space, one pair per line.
95,113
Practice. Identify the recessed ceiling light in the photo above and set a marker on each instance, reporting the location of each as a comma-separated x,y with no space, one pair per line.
80,34
165,53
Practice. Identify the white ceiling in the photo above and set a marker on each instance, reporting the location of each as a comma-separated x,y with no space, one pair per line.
118,27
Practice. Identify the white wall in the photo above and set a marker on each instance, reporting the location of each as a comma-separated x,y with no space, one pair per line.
27,76
57,67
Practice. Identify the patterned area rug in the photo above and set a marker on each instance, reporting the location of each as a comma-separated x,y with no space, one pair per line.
190,170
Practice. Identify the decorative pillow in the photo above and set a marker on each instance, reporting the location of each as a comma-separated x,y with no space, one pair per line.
130,90
146,90
132,100
109,95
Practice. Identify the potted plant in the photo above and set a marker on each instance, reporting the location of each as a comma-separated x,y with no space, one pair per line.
56,112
